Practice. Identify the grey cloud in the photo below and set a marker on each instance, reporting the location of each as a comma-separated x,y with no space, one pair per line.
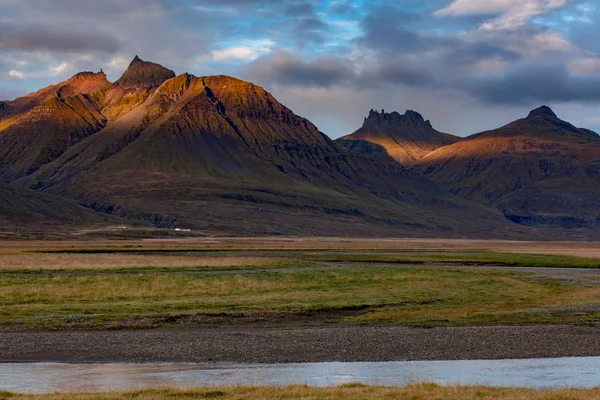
41,37
399,72
312,24
288,69
94,28
301,8
535,83
311,29
473,52
386,29
285,68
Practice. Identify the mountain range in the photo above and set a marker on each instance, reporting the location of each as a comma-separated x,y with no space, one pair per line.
222,156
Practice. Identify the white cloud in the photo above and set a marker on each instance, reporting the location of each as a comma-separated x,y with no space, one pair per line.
511,13
59,69
16,74
246,51
118,64
235,53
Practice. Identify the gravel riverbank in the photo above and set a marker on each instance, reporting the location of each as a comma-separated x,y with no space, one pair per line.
301,344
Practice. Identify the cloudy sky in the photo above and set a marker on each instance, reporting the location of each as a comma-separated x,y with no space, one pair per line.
467,65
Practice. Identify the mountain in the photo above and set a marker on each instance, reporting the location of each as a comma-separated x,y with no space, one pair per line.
31,213
403,138
539,170
38,128
133,88
223,156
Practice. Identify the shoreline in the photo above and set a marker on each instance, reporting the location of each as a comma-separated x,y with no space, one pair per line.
341,343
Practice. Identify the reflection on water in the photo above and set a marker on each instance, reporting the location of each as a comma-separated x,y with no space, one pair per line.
51,377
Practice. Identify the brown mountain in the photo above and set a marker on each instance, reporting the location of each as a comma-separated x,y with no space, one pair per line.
38,128
134,87
539,170
404,138
222,155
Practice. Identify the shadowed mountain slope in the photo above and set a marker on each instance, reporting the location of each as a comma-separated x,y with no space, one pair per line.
221,155
539,170
403,138
30,212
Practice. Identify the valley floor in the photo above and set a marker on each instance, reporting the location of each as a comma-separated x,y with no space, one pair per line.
297,300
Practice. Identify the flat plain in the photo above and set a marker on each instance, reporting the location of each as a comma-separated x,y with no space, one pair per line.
297,299
136,284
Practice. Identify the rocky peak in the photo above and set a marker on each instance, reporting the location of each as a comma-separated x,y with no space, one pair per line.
410,118
88,75
144,74
543,121
414,117
543,111
545,117
82,83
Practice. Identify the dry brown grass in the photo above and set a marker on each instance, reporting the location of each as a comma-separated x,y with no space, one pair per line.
352,392
115,261
582,249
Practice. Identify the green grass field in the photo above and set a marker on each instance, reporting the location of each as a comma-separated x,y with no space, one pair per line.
351,392
188,287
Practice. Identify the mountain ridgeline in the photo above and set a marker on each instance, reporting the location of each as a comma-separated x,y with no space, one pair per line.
400,137
222,156
538,171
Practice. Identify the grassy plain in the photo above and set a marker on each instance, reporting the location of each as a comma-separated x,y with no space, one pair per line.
352,392
180,283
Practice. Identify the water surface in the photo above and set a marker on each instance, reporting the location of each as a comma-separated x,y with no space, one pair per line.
582,372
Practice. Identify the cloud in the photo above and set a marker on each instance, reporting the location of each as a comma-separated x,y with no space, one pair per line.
462,7
300,9
584,66
386,29
534,83
16,74
283,68
234,53
288,69
510,14
397,72
238,53
44,37
87,35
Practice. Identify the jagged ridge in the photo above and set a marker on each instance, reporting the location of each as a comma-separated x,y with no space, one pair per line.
403,138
